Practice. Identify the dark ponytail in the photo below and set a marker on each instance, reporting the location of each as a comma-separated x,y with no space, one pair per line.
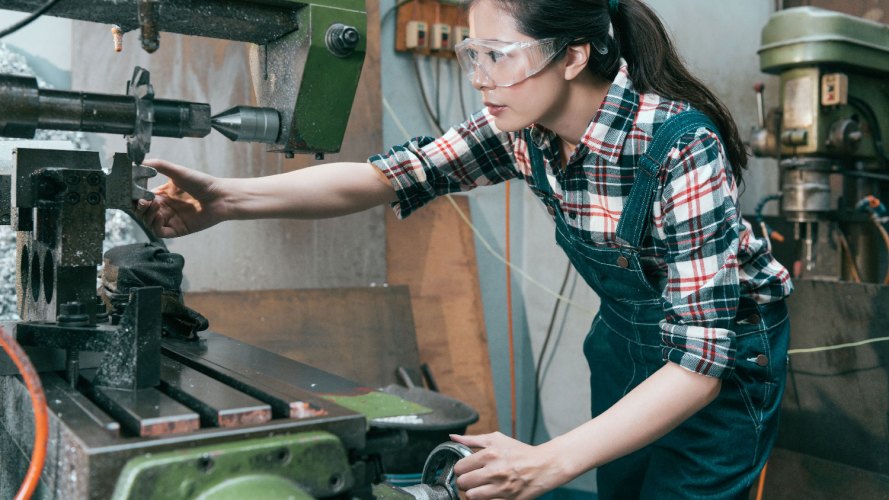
641,39
656,67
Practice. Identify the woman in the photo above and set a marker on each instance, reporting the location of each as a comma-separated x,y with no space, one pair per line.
638,163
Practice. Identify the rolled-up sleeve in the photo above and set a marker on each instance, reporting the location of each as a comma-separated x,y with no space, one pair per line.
699,224
472,154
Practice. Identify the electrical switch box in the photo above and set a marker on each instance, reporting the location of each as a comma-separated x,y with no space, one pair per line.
426,27
460,33
834,89
441,37
416,35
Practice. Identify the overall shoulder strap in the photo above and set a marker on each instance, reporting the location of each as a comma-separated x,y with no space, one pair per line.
637,209
538,167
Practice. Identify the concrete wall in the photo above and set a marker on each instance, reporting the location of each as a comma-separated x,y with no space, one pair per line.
719,41
46,41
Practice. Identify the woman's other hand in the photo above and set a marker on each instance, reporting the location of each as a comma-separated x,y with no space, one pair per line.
505,468
188,202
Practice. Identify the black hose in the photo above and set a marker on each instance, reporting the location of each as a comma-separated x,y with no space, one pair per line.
28,20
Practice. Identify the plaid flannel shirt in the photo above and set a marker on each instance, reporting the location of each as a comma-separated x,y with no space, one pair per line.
698,250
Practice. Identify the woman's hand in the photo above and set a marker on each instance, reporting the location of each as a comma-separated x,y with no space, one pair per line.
506,468
189,202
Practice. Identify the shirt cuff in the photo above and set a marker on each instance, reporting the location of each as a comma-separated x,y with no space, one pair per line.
397,170
704,350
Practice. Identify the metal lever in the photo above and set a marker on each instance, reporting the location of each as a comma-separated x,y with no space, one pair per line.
760,105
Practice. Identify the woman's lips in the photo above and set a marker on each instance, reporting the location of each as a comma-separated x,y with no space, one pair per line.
495,109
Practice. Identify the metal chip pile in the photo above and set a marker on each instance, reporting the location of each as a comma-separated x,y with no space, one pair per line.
119,230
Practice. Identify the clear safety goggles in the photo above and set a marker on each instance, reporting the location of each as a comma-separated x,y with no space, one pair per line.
504,64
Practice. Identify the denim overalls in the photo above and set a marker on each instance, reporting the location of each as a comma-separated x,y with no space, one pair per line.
718,452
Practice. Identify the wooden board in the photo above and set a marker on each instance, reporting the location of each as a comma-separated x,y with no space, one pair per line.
362,334
433,252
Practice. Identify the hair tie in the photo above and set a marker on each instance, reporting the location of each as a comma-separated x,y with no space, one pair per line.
613,6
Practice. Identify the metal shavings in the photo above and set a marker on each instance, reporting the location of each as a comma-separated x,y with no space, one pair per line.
119,229
404,419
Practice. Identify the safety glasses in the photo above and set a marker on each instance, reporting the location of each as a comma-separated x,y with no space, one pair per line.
504,64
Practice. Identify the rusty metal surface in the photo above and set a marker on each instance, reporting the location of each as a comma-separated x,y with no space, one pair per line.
836,406
63,399
89,458
218,404
260,364
143,412
231,20
292,389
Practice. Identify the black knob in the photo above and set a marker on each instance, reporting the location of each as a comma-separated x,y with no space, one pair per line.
342,40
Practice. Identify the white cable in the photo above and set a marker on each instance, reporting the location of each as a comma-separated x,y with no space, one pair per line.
478,234
567,300
398,124
838,346
515,268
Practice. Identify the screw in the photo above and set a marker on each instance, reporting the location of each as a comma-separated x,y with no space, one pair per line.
73,198
205,463
283,456
93,179
73,179
93,198
319,156
101,310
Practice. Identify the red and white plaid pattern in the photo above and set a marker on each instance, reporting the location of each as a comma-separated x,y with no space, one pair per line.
697,250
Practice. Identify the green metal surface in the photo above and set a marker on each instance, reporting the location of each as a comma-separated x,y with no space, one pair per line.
298,466
379,405
871,89
329,83
808,36
388,492
263,485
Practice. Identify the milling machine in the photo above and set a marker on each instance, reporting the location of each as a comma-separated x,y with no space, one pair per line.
137,415
829,135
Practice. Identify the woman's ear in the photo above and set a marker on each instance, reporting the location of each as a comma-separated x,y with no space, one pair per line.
576,59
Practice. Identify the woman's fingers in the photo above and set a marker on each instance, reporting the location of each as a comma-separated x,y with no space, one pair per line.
191,181
150,214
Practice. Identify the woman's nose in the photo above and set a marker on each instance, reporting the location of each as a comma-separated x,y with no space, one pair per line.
480,80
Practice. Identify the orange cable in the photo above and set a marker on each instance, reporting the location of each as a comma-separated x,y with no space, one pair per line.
41,416
512,374
762,481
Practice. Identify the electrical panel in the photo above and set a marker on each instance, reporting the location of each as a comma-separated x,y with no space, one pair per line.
416,35
459,33
441,37
430,27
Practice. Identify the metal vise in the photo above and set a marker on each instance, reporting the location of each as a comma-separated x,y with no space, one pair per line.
56,204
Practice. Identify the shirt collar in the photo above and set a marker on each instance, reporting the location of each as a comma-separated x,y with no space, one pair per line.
607,132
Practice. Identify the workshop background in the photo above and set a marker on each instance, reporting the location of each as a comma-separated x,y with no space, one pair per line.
455,274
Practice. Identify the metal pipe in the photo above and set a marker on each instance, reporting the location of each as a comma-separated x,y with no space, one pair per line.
24,108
